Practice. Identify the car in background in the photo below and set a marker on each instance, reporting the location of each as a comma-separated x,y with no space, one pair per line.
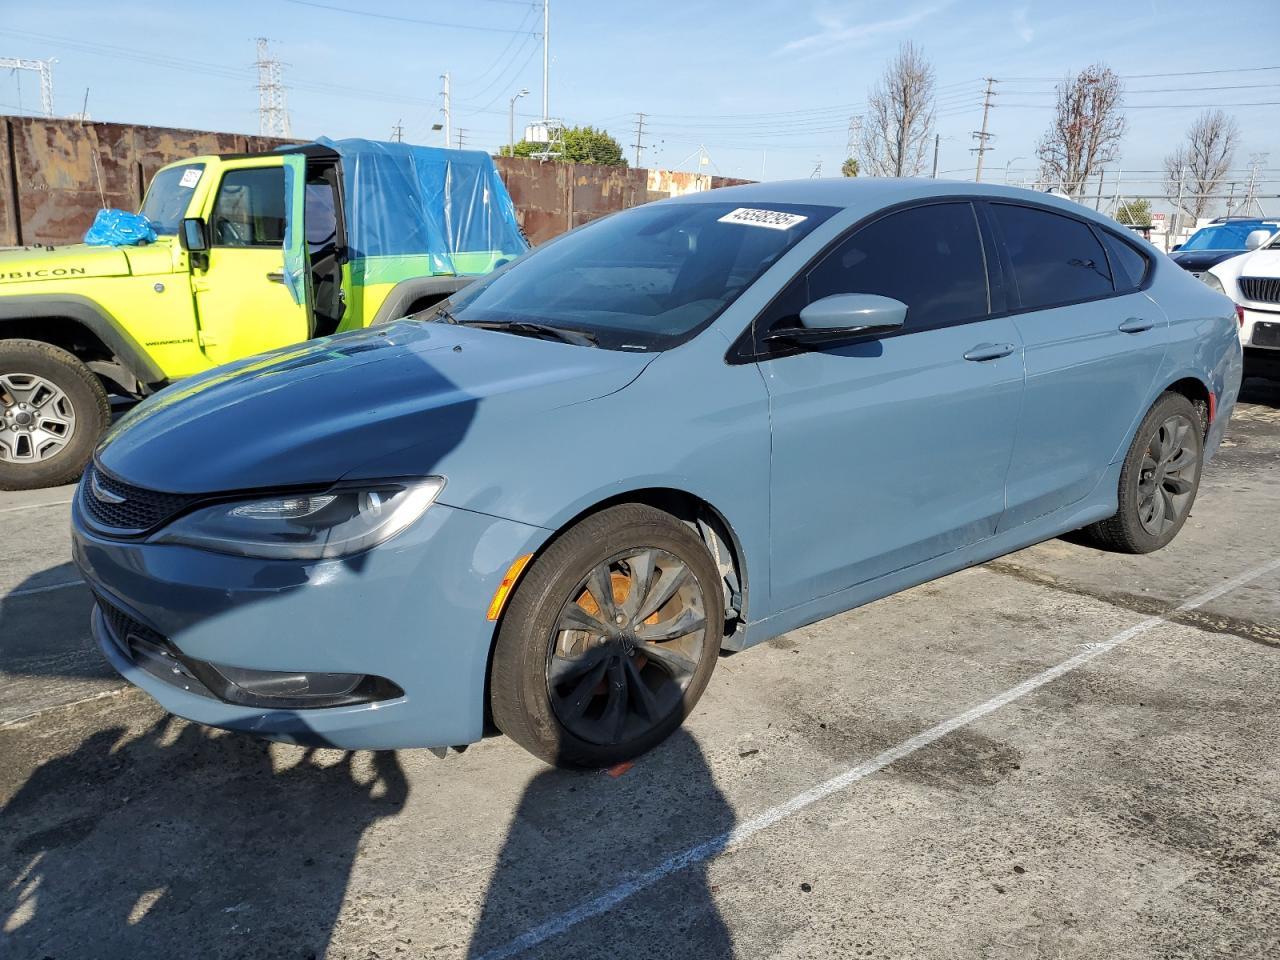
1221,240
546,505
1252,280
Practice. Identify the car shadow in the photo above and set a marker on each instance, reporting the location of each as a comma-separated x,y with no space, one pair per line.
580,841
180,841
1261,391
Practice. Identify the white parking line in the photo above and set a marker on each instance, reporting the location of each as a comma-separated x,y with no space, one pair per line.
35,506
761,821
28,591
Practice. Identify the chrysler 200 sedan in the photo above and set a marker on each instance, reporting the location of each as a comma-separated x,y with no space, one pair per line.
544,507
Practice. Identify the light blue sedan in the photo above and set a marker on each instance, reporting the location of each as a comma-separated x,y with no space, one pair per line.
544,507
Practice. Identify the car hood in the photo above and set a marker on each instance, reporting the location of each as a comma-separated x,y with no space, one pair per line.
75,261
316,412
1200,260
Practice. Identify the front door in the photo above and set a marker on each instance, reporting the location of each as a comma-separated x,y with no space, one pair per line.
891,451
243,303
1094,344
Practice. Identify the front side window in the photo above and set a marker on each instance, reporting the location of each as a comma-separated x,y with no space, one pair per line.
169,196
1055,259
928,257
647,278
250,209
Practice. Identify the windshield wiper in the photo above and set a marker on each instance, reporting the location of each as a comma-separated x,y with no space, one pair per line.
528,328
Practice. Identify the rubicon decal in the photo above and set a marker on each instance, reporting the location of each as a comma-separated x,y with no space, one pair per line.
41,273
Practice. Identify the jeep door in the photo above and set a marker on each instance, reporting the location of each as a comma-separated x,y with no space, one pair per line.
243,303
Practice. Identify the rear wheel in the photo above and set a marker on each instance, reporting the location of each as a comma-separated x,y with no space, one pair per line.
53,409
609,640
1159,479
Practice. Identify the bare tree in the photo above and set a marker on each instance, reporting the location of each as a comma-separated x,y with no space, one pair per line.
1086,131
895,133
1194,170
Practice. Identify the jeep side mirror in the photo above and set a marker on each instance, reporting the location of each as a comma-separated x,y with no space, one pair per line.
193,235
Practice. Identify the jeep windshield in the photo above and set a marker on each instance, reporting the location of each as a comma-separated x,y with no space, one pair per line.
648,278
169,195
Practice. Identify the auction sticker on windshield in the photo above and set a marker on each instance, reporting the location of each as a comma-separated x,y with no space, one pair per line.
773,219
190,178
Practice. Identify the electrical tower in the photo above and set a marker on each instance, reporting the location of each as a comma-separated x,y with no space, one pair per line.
982,136
273,105
1256,161
397,131
462,135
639,136
855,134
45,69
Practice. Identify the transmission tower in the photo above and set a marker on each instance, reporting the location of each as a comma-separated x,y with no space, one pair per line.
855,135
1256,161
45,69
273,105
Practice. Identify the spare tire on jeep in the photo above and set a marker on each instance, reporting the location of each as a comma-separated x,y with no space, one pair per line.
53,409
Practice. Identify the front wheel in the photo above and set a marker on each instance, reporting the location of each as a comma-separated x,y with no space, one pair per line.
1159,479
53,409
609,640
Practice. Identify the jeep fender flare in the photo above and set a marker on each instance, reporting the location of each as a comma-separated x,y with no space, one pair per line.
92,317
408,292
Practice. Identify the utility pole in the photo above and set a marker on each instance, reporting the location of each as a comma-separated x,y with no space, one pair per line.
461,136
937,139
1177,212
444,93
982,136
273,106
639,135
1231,198
1097,200
41,67
397,131
546,60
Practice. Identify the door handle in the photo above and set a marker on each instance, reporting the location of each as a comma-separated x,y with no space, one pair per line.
1136,325
989,351
276,276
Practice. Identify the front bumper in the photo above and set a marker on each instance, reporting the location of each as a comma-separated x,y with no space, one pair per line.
1251,334
411,610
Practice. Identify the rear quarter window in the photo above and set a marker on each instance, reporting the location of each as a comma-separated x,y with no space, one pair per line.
1128,264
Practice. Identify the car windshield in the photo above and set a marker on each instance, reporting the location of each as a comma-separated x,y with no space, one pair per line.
169,195
1224,236
648,278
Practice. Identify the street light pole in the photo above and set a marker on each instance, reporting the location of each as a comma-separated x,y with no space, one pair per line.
511,121
1008,165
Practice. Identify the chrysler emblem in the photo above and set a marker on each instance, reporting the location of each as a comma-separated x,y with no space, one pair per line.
106,496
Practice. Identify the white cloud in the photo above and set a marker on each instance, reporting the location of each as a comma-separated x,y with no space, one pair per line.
1021,26
837,32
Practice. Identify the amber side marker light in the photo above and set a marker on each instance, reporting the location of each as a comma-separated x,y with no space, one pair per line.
504,588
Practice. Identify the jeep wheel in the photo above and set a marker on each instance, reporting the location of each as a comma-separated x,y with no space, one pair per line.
53,409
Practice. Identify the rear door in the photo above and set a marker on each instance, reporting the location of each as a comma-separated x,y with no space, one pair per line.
1094,343
243,303
892,450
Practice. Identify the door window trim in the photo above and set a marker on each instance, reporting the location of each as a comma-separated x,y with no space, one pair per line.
745,348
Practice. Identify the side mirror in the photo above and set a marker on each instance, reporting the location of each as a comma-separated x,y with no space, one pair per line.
193,236
1175,248
844,316
1256,239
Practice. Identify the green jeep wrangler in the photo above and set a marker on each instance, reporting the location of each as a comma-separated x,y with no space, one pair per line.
253,252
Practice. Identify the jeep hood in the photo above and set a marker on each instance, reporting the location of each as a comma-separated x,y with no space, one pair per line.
317,412
79,261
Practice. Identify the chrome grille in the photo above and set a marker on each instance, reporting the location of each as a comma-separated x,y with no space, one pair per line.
114,505
1261,289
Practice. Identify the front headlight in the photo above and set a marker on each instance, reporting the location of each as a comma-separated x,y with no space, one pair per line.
1212,282
340,521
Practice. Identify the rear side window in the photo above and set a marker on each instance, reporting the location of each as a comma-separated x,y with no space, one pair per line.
1129,266
1055,259
929,257
249,210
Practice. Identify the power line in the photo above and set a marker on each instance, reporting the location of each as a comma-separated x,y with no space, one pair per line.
399,19
1153,76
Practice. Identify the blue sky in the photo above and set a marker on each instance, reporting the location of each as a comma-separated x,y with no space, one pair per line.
768,87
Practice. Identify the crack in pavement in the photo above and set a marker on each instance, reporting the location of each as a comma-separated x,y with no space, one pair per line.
1265,634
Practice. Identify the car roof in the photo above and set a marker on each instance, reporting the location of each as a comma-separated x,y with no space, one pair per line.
871,193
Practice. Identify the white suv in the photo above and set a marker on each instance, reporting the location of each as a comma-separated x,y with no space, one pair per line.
1252,280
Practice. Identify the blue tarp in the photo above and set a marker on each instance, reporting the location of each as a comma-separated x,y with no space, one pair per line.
119,228
406,200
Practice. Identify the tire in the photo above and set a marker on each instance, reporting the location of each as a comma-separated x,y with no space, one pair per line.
1127,532
542,692
26,364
